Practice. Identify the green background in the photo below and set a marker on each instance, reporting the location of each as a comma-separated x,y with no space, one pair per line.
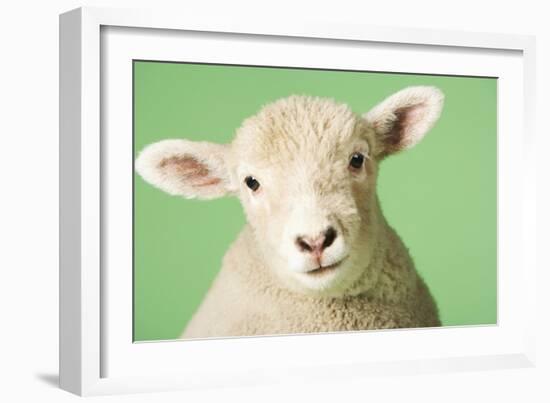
439,196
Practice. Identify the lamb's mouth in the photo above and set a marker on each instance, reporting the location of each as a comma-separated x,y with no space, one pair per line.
325,269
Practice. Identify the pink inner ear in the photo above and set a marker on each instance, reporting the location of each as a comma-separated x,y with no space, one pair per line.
189,169
402,132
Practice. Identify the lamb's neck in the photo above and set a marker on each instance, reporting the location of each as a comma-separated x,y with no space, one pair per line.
390,275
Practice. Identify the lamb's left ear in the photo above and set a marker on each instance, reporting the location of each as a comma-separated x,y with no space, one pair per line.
186,168
401,120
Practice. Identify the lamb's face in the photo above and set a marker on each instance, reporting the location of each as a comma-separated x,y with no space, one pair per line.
306,175
305,171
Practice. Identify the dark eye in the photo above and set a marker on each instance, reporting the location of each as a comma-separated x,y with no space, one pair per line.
356,160
252,183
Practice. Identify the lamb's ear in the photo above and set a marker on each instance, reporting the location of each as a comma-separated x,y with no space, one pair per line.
186,168
401,120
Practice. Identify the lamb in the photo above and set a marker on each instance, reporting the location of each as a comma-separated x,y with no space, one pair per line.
316,254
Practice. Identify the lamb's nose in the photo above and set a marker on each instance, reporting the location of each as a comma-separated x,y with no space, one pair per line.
319,244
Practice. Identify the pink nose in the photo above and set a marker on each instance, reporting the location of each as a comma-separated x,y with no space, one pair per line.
317,245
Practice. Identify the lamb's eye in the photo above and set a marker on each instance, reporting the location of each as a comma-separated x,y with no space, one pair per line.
252,183
356,160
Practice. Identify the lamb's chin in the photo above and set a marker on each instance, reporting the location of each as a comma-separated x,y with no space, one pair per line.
328,281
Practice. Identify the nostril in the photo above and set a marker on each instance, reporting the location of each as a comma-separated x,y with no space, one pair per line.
303,245
330,236
323,241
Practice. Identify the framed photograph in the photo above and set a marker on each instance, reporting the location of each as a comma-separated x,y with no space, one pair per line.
249,202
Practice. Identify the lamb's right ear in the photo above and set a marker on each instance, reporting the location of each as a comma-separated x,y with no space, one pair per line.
186,168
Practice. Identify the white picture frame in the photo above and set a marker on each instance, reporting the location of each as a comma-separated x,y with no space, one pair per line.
96,355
